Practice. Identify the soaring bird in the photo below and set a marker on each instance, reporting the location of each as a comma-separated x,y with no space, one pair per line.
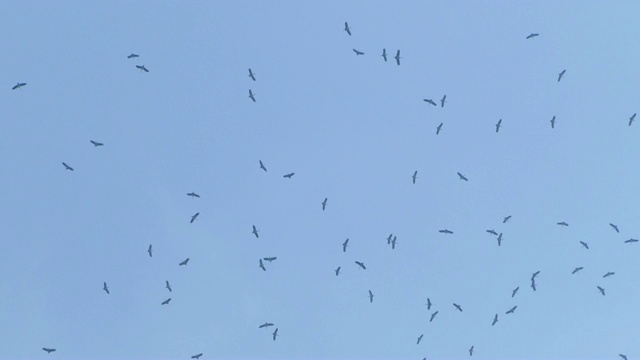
346,28
533,276
105,287
471,351
415,176
601,290
500,239
428,304
462,177
443,100
166,302
586,246
262,265
167,285
384,54
439,128
492,232
324,204
515,291
393,243
95,143
361,265
67,167
498,125
265,325
142,68
18,85
533,284
289,175
419,339
370,296
344,245
193,218
630,241
553,122
429,101
269,259
506,218
623,357
197,356
445,231
184,262
251,75
358,52
262,165
251,96
150,250
194,195
48,350
255,231
337,270
510,311
561,75
275,334
615,227
577,269
458,307
433,315
562,223
532,35
608,274
632,118
133,56
495,320
397,57
389,238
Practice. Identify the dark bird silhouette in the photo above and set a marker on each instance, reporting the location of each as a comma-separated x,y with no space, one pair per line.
419,339
253,98
608,274
168,286
166,302
194,217
586,246
105,287
397,57
510,311
492,232
439,128
184,262
561,75
630,241
18,86
67,167
532,35
429,101
506,219
361,265
269,259
347,28
443,100
433,315
495,320
262,166
498,125
533,284
275,334
265,325
251,75
462,177
337,270
428,304
370,296
614,227
500,239
384,54
344,245
133,56
358,52
471,351
623,357
48,350
601,290
324,204
289,175
262,265
562,223
255,231
197,356
577,269
445,231
515,291
553,122
95,143
150,250
632,118
142,68
415,176
194,195
533,276
389,238
458,307
393,243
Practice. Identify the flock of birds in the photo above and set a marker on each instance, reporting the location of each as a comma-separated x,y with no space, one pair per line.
391,239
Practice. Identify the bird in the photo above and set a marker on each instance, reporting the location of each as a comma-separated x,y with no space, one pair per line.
324,204
495,320
577,269
533,284
397,57
498,125
95,143
337,270
275,334
510,311
533,276
251,75
358,52
193,218
197,356
428,304
630,241
445,231
415,176
439,128
506,218
443,100
462,177
393,243
255,231
615,227
194,195
370,296
251,96
346,28
553,122
269,259
265,325
561,75
18,86
419,339
150,250
384,54
562,223
433,315
105,287
167,285
133,56
492,232
262,265
532,35
262,165
601,290
623,357
184,262
166,302
586,246
142,68
500,239
429,101
515,291
471,351
361,265
632,118
289,175
48,350
389,238
67,167
458,307
344,245
608,274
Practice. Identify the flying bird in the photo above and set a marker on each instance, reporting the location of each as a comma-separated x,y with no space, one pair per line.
142,68
614,227
370,296
337,270
500,239
515,291
498,125
275,334
48,350
533,284
18,86
433,316
184,262
533,276
562,223
462,177
344,245
492,232
419,339
510,311
630,241
553,122
429,101
397,57
262,265
193,218
586,246
601,290
458,307
495,320
265,325
150,250
197,356
384,54
506,219
358,52
428,304
133,56
167,285
471,351
95,143
443,100
324,204
166,302
623,357
632,118
577,269
439,128
361,265
389,238
194,195
561,75
251,96
532,35
105,288
289,175
393,243
255,231
67,167
415,176
445,231
346,28
262,166
251,75
269,259
608,274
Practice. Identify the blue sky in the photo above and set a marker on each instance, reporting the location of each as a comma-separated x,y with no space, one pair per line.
353,129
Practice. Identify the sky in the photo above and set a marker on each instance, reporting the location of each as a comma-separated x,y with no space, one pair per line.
353,129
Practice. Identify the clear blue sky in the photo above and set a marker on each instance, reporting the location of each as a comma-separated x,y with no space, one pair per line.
353,129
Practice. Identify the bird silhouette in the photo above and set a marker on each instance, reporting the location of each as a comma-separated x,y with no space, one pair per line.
492,232
166,302
194,217
262,166
150,250
419,339
18,86
439,128
498,124
532,35
457,307
133,56
471,351
255,231
506,218
384,54
105,288
586,246
184,262
262,265
347,28
168,286
265,325
433,315
269,259
623,357
251,75
515,291
251,96
289,175
370,296
275,334
428,304
193,195
142,68
615,227
48,350
633,117
495,320
361,265
67,167
95,143
510,311
445,231
324,204
608,274
415,176
462,177
562,223
397,57
601,290
500,239
443,100
358,52
345,244
337,270
561,75
553,122
630,241
429,101
197,356
576,270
